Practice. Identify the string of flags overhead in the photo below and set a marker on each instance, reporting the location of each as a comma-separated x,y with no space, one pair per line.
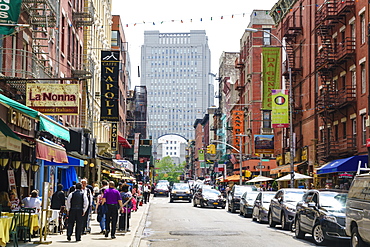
222,17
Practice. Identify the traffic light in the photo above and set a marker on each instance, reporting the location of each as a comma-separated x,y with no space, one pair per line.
208,149
212,148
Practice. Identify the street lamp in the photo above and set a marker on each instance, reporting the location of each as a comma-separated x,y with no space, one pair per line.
240,155
291,142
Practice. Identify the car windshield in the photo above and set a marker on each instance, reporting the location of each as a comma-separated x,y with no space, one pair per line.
251,196
180,187
333,200
267,197
293,196
240,190
162,186
211,192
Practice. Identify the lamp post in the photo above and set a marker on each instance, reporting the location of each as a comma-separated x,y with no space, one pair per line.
240,155
291,141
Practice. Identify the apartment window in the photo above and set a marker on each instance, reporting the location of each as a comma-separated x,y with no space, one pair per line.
266,36
363,29
344,126
354,131
363,78
336,132
115,36
266,119
363,129
353,82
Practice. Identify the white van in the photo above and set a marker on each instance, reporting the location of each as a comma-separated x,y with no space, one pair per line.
358,211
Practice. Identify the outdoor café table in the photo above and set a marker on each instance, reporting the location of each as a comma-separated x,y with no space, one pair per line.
5,222
35,224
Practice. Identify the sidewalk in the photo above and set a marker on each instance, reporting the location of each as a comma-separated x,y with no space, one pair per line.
129,239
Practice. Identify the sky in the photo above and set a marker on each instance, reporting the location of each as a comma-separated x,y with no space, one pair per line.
223,21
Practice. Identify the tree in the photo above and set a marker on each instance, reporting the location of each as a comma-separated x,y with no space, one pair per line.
166,169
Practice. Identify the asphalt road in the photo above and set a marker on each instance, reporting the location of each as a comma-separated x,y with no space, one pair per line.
181,224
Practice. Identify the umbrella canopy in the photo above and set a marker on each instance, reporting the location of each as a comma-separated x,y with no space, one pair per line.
259,178
297,176
234,178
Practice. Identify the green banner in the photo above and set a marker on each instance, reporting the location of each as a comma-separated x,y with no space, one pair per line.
270,74
201,155
9,13
280,109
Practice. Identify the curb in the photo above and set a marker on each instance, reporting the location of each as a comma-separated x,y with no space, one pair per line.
136,242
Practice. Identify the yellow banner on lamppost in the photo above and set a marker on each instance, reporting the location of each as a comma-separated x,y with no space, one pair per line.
270,74
280,108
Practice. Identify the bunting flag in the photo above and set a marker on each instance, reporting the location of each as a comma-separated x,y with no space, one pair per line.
10,11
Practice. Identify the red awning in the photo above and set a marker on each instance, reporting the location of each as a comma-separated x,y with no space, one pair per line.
45,151
123,142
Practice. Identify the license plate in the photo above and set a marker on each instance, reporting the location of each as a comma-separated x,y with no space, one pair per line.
215,203
180,196
160,192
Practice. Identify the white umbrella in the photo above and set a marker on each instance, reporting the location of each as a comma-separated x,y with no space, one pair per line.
297,176
259,178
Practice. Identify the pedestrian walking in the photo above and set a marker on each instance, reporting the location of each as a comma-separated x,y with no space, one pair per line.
146,192
101,210
124,218
86,219
58,199
114,202
76,206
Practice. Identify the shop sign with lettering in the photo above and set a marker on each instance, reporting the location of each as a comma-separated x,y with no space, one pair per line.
109,86
20,120
114,137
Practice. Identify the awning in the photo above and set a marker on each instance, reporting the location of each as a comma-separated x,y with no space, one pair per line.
52,153
284,168
343,165
123,142
46,124
71,162
8,139
68,176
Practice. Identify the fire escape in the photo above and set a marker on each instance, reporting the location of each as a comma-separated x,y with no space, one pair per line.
331,58
43,20
83,18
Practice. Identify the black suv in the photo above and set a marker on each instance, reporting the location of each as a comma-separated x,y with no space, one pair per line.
233,198
283,207
322,214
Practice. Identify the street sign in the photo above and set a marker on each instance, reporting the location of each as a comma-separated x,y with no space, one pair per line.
260,167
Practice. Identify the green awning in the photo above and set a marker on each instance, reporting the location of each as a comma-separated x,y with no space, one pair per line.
54,128
46,124
8,139
20,107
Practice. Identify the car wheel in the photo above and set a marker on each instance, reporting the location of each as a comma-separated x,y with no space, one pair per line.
259,217
232,209
171,200
356,240
271,221
223,207
298,233
318,235
201,204
284,223
241,212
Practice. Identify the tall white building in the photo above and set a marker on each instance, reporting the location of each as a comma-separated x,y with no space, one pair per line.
176,73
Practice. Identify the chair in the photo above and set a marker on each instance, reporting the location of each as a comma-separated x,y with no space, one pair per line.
24,223
13,231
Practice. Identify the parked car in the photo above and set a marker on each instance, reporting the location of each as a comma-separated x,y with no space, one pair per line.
180,191
233,198
247,203
358,211
206,197
161,189
322,214
261,206
283,207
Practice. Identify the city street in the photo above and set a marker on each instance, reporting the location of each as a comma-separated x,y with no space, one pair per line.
181,224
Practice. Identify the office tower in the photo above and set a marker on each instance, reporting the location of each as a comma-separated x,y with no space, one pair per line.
176,73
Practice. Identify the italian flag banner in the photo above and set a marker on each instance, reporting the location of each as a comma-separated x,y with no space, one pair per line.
280,108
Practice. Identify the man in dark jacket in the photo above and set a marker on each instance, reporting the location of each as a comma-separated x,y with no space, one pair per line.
77,204
58,199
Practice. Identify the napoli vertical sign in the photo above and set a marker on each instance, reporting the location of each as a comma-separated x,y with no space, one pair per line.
109,86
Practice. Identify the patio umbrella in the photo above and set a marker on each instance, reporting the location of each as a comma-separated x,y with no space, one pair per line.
259,178
297,176
234,178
